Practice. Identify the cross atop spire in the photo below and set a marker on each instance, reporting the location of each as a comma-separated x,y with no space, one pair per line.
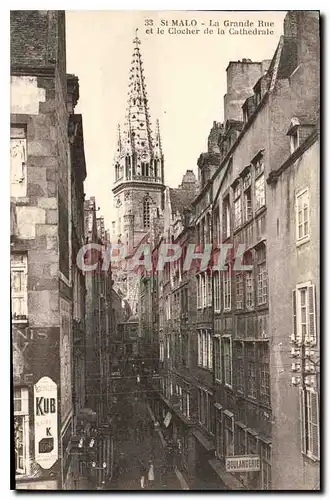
136,39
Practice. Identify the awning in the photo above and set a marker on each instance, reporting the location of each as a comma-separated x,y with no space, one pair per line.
204,441
228,479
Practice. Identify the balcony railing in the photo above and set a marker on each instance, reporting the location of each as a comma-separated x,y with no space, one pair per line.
140,178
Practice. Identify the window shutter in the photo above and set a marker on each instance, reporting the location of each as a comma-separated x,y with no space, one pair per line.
311,314
294,317
302,404
314,417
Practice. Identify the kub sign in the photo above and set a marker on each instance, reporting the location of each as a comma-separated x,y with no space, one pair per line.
45,422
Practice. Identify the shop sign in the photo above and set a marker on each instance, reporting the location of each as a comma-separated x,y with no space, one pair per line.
243,463
45,422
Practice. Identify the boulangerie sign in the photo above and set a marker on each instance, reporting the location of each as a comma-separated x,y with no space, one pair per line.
45,422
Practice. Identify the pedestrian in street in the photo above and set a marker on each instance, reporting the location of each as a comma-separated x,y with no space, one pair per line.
151,475
142,475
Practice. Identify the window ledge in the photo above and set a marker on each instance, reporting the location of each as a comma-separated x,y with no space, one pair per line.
301,242
310,458
260,210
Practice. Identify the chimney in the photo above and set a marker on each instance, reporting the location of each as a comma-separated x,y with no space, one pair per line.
241,78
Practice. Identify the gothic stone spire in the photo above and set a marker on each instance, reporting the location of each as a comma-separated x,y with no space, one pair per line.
139,156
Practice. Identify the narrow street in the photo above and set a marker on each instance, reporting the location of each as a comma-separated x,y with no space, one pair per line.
137,441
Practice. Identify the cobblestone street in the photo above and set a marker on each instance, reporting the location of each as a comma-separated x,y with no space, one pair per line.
138,442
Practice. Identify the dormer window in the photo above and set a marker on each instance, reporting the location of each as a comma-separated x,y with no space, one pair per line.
294,141
245,113
257,93
293,133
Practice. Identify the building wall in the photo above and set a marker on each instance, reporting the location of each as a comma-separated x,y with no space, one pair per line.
38,83
289,265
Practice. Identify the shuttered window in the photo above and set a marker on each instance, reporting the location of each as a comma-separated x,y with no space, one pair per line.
19,277
310,423
304,314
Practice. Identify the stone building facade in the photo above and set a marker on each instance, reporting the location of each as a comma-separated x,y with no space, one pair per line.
254,346
294,191
46,154
99,331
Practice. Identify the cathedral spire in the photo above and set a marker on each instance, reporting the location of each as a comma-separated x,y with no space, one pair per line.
140,156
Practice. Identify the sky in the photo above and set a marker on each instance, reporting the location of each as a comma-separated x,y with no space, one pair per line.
185,80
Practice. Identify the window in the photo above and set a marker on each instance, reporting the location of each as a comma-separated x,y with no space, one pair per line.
302,215
247,214
257,93
187,405
146,213
208,278
304,314
218,361
247,197
19,287
217,225
227,360
239,368
262,279
217,291
198,291
168,347
252,380
294,140
202,406
21,430
249,298
258,163
204,289
226,290
185,349
205,409
266,469
161,351
240,440
18,159
229,435
260,191
261,226
237,213
205,349
309,422
264,383
219,432
239,291
237,206
209,351
200,348
226,218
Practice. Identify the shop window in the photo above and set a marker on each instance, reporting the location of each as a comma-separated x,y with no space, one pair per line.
21,430
18,157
